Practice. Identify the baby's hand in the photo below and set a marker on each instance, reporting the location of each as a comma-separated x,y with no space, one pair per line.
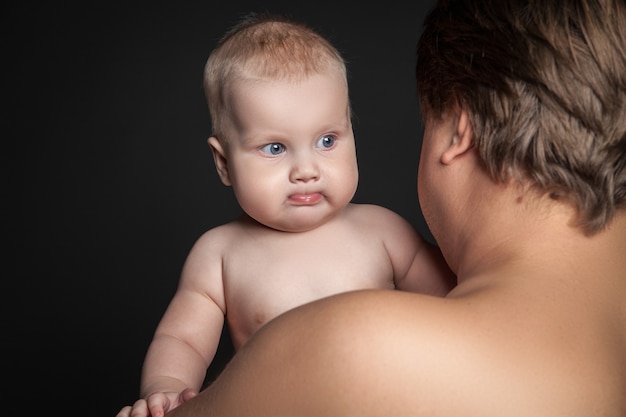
157,404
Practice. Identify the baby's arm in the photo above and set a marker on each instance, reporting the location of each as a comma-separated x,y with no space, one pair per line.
429,273
187,336
418,265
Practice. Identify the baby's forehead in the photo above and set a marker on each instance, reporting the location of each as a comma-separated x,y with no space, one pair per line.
311,100
308,103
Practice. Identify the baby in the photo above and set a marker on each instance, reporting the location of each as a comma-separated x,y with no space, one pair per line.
282,139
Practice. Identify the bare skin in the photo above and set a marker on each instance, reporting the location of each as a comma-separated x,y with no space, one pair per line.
536,326
522,183
300,240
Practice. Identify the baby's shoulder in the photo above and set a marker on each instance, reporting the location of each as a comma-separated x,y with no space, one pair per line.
372,213
222,235
380,221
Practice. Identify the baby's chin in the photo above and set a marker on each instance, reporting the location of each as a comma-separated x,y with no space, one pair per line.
299,225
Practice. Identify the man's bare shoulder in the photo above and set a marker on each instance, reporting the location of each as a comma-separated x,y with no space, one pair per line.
463,357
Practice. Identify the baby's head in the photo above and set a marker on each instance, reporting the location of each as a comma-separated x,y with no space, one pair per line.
264,47
282,134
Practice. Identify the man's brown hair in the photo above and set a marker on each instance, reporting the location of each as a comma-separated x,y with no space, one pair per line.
544,83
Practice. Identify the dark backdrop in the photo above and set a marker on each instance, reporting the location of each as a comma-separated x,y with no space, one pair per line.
111,179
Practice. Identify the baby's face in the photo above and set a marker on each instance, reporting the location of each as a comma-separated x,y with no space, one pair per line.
291,151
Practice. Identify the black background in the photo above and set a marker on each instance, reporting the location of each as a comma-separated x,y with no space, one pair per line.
111,180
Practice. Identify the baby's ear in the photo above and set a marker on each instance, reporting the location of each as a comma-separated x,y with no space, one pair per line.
221,162
462,140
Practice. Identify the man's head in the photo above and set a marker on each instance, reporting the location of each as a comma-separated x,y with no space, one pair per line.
544,84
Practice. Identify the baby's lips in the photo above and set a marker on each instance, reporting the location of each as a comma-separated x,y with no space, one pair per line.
305,199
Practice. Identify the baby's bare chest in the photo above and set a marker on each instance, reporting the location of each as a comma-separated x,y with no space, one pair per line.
265,279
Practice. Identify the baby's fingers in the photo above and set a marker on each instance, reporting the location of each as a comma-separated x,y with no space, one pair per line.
158,404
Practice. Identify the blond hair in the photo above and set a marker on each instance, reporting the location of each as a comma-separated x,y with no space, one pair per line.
264,47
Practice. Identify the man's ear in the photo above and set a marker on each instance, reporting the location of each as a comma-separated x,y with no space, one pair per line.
221,162
462,139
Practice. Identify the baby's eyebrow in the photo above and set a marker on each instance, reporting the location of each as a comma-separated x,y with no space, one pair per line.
261,137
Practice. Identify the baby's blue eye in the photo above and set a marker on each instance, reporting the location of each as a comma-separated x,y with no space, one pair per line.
273,148
326,141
